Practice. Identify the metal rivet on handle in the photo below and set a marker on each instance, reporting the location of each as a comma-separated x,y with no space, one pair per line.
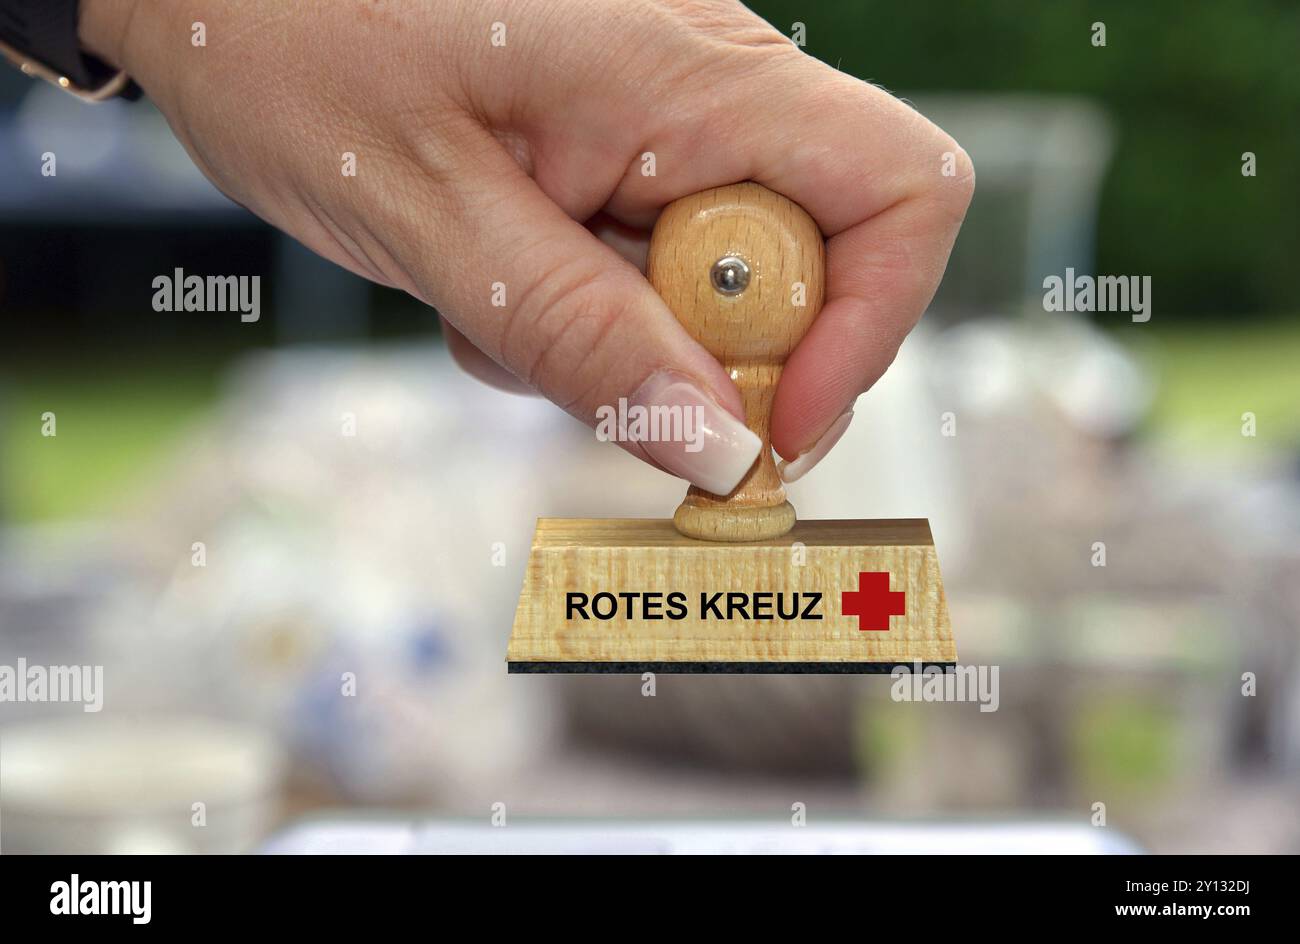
729,275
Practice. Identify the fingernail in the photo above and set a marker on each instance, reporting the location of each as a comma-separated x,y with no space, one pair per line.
804,462
692,436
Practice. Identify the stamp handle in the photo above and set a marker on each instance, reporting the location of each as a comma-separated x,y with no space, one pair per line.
743,269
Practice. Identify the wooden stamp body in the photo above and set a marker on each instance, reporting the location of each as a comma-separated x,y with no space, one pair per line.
751,331
737,585
821,559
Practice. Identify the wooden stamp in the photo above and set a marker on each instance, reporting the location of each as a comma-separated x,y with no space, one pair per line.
733,583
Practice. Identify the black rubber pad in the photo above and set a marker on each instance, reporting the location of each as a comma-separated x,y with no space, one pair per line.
718,668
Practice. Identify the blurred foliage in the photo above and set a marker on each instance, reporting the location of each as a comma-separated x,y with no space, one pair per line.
130,414
1191,84
1208,376
115,422
1124,746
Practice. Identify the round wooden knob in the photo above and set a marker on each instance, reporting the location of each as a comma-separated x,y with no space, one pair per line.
743,269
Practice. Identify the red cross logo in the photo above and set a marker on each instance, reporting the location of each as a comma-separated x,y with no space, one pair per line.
873,603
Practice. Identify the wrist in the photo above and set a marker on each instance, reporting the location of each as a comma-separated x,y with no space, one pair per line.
102,27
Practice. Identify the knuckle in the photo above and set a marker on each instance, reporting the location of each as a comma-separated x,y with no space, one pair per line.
555,341
958,183
943,177
964,173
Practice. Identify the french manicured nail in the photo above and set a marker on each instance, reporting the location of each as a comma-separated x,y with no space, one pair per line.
692,436
803,463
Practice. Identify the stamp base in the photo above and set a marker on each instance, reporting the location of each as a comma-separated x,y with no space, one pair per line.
824,558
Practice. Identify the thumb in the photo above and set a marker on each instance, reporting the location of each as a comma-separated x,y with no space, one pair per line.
566,314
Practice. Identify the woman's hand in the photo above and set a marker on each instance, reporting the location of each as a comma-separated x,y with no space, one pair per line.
499,154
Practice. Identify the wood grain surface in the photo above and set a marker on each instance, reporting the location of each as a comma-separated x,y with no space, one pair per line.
616,555
751,333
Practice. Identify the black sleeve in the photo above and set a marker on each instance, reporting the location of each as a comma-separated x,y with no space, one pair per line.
46,30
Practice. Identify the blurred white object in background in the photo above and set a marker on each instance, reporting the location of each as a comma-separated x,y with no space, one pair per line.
699,836
996,367
1041,160
365,519
84,139
145,785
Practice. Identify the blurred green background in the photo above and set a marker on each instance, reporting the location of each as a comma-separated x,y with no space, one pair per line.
1191,85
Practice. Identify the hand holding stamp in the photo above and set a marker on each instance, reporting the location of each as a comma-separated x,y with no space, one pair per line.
733,583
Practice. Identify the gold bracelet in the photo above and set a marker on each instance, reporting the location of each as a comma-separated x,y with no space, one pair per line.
33,67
